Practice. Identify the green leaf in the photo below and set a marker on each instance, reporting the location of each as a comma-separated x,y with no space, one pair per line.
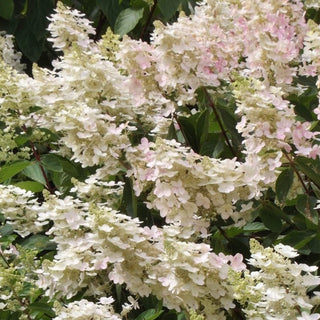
10,170
306,166
314,244
187,126
254,227
306,206
283,184
127,20
298,239
6,9
22,139
34,172
41,307
38,242
6,230
111,9
202,128
51,162
188,5
232,232
27,41
37,13
270,219
129,200
169,7
30,186
7,240
8,315
150,314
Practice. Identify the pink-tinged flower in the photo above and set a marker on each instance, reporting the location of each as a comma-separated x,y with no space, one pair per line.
236,262
301,132
143,61
101,264
162,189
170,281
263,129
284,128
153,233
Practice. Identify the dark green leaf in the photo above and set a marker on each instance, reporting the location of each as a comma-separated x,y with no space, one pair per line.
172,133
27,41
305,103
306,206
34,172
129,199
314,244
41,307
37,13
69,168
298,239
7,240
187,126
38,242
111,9
232,232
202,128
270,219
8,315
168,7
127,20
30,186
284,183
271,207
22,139
10,170
62,181
6,230
6,9
51,162
254,227
188,6
307,167
150,314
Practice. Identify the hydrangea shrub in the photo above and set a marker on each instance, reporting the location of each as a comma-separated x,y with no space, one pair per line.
174,178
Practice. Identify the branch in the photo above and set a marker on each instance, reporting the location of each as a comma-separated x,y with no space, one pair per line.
144,30
213,107
296,172
102,21
38,159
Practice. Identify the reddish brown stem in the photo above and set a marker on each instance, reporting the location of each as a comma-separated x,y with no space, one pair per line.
144,30
213,107
296,172
38,159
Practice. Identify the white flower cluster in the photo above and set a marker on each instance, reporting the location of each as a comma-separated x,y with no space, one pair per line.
278,289
85,310
83,100
186,186
178,65
268,124
94,100
20,210
97,191
311,4
97,244
68,28
8,54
